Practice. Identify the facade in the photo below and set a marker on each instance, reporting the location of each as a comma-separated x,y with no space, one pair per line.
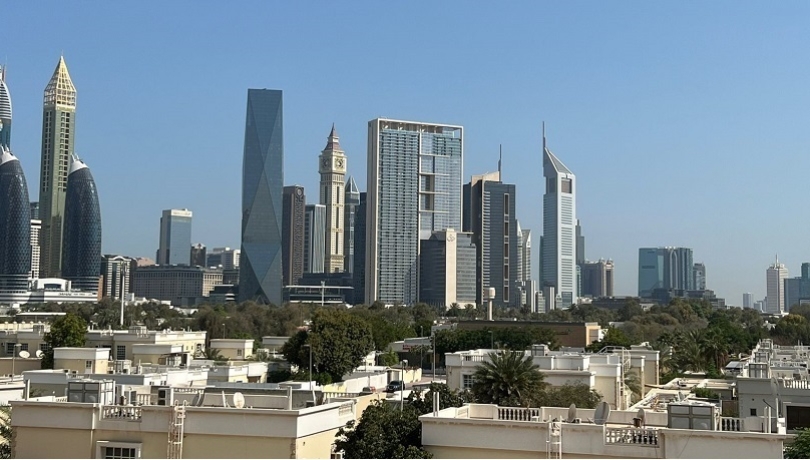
580,244
260,267
332,168
58,134
359,272
797,290
775,280
198,255
352,201
5,111
526,254
597,278
414,189
116,273
15,225
668,268
699,276
748,300
35,210
179,284
447,273
314,234
175,237
36,228
224,258
292,234
81,248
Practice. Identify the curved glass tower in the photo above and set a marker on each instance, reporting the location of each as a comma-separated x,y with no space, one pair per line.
15,225
5,111
81,251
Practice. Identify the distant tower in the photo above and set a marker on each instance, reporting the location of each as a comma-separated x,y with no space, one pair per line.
314,232
15,225
175,237
333,171
352,201
58,133
775,278
292,233
81,253
5,111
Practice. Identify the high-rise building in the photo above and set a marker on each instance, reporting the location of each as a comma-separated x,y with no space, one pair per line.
359,271
597,278
197,255
414,189
175,237
224,258
332,167
181,285
15,225
292,234
314,236
81,249
748,300
35,212
699,276
775,282
526,240
36,228
58,133
559,244
668,268
447,273
116,274
260,268
352,201
5,111
797,290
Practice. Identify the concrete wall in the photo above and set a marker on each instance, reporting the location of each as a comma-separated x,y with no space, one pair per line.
19,365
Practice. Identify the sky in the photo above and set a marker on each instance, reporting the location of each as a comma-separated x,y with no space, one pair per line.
686,123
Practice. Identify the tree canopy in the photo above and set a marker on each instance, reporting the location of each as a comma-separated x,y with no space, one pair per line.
508,378
800,446
67,331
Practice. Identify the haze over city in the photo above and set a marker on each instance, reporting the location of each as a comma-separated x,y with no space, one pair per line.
684,122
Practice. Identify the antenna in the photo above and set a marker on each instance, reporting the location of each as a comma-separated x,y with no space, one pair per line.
572,412
602,413
500,162
238,400
24,354
39,354
544,136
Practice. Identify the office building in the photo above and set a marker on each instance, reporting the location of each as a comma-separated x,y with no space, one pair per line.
82,233
414,189
352,201
559,243
5,111
526,254
116,275
447,269
775,283
260,267
175,237
15,225
198,255
748,300
292,234
797,290
699,276
36,228
178,284
597,278
359,271
668,268
314,235
35,210
58,134
224,258
332,168
580,244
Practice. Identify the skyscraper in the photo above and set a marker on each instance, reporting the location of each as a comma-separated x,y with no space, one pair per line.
58,133
559,245
359,271
292,234
352,201
597,278
15,225
699,276
81,250
175,237
36,228
332,167
116,275
260,267
775,283
748,300
197,255
669,268
447,269
414,189
5,111
314,238
526,240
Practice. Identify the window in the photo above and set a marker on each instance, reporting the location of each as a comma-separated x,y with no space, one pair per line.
120,352
44,346
9,348
107,449
238,353
467,381
23,347
506,204
88,364
566,185
753,412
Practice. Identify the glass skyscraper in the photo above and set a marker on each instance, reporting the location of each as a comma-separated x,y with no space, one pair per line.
82,243
5,111
292,234
352,201
667,268
315,238
414,189
175,237
15,225
260,274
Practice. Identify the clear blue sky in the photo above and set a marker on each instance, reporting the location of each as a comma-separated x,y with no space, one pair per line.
685,122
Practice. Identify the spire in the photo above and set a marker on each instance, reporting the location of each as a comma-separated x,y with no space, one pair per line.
60,89
75,164
333,141
544,136
500,161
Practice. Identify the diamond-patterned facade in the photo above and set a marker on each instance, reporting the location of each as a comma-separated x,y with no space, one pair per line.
81,249
15,225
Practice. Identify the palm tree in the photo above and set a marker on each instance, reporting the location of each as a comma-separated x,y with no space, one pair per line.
508,378
6,432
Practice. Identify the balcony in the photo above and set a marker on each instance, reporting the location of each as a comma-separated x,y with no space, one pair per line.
121,413
644,437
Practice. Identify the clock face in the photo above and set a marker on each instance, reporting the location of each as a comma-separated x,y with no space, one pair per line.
325,162
340,163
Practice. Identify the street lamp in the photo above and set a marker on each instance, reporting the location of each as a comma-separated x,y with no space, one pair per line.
311,386
403,363
17,346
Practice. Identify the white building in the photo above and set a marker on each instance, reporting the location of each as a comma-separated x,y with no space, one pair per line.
748,300
47,290
36,228
775,277
333,172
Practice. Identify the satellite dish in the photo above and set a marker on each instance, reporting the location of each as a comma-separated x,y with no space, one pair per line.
572,412
238,400
24,354
39,354
642,416
602,413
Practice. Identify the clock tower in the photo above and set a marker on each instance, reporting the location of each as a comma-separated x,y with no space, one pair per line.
332,166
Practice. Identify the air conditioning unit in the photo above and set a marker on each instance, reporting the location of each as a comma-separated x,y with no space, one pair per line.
165,397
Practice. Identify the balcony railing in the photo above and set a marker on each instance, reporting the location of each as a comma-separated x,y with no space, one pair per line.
122,413
731,424
519,414
644,437
474,358
796,384
143,400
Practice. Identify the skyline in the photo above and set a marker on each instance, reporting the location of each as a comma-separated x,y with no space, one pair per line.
701,111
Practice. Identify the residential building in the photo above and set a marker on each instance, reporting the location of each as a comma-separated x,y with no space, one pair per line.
81,248
233,349
699,275
597,278
748,300
414,189
447,273
314,234
58,134
15,225
36,229
5,111
198,255
775,278
175,237
669,268
332,168
125,344
352,201
359,271
292,234
559,243
179,284
116,274
260,267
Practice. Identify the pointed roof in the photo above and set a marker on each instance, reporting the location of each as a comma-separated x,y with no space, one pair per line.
6,155
351,186
5,97
60,89
76,165
558,165
333,141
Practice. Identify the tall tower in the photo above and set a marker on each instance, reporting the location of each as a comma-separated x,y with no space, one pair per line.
414,189
82,245
58,132
15,225
352,202
559,244
175,237
260,267
292,234
332,167
775,278
314,233
5,111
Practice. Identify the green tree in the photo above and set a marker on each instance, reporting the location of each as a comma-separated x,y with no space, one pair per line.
613,338
6,432
800,447
422,401
508,378
67,331
579,394
384,431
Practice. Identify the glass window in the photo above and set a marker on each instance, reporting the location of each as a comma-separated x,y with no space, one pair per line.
467,381
120,352
119,452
